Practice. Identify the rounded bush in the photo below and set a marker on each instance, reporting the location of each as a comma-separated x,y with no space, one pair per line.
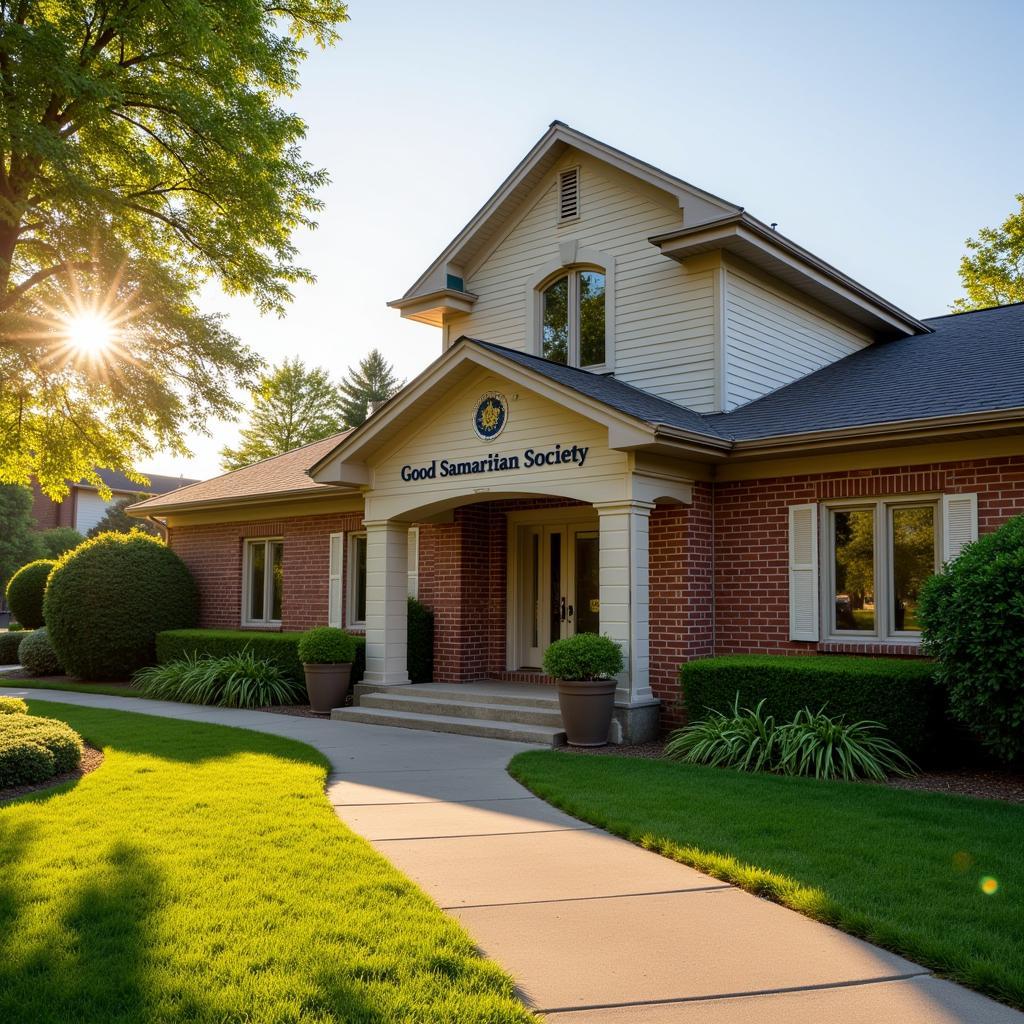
25,592
13,706
108,598
583,656
326,645
37,655
972,617
9,644
35,749
14,627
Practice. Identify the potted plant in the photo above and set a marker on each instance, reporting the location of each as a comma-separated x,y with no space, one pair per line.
585,666
326,654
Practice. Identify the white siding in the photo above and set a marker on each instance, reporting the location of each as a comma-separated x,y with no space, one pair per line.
664,332
773,339
90,509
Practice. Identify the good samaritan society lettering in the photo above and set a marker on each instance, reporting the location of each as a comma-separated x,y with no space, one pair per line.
497,463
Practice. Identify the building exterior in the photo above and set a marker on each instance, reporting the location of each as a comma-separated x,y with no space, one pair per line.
84,506
652,416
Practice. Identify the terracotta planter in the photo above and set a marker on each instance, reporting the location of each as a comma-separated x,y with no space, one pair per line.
327,685
587,706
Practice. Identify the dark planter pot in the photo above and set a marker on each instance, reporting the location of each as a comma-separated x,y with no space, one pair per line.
327,685
587,706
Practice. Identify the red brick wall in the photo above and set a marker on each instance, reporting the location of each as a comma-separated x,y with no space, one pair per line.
751,536
214,555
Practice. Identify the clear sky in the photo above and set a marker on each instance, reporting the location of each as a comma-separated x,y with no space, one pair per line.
877,135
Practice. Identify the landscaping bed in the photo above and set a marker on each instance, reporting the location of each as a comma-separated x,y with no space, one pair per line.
934,877
201,875
91,760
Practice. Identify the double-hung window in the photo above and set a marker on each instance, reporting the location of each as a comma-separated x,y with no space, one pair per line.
879,554
263,587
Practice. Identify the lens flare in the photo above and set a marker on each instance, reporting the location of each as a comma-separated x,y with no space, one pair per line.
90,333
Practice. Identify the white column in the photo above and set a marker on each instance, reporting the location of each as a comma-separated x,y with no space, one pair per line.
625,593
387,585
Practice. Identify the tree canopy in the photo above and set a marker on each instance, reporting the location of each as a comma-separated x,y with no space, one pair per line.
143,152
373,381
992,271
292,405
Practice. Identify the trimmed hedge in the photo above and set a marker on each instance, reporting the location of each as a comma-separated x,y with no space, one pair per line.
9,644
420,639
107,599
899,693
13,706
326,645
280,648
37,655
25,592
35,749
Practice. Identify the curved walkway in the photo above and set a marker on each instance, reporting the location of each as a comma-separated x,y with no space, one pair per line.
593,928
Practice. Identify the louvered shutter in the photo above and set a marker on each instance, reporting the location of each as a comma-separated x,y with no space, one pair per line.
959,523
569,194
803,572
334,576
414,561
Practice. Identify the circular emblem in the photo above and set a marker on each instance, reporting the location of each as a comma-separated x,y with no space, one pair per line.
491,416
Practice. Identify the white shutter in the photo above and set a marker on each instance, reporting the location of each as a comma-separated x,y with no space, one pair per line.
414,561
803,572
335,559
959,523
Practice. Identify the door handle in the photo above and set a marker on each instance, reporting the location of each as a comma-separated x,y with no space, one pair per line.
562,612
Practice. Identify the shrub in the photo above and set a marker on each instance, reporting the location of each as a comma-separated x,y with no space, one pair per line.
812,745
9,644
898,693
583,656
37,655
109,597
35,749
14,627
13,706
280,648
420,642
239,680
972,615
54,542
25,592
326,645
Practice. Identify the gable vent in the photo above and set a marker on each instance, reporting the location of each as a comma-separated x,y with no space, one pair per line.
569,194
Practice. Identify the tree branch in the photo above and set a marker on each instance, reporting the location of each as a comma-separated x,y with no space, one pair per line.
42,275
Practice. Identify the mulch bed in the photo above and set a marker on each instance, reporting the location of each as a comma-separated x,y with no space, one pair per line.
980,783
91,760
302,710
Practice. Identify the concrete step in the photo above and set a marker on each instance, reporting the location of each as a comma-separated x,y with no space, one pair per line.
467,692
478,709
543,735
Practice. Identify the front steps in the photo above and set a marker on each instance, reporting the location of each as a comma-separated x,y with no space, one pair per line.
520,712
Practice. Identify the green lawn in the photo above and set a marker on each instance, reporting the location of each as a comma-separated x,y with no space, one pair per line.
201,875
901,869
70,686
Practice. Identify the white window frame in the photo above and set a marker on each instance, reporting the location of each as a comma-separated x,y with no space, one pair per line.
268,581
573,259
884,581
350,587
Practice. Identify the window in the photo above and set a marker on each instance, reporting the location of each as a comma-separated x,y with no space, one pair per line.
357,579
573,319
880,554
264,582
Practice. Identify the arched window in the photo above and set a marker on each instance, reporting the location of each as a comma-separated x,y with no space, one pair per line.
573,328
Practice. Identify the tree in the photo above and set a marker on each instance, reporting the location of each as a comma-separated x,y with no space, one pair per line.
19,544
117,520
371,383
992,272
293,405
58,539
143,152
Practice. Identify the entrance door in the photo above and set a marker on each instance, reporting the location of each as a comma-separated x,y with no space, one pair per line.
559,586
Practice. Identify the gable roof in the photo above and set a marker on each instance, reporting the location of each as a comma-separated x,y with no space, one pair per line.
970,365
280,476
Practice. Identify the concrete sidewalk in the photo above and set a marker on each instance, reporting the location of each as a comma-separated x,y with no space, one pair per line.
593,928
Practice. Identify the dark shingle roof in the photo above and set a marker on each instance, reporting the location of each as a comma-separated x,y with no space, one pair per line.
158,483
971,363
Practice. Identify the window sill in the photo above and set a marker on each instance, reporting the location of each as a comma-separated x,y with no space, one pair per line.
872,645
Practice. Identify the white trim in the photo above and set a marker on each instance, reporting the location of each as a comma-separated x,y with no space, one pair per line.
413,569
335,578
350,590
268,580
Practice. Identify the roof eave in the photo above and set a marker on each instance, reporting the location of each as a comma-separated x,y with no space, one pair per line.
145,509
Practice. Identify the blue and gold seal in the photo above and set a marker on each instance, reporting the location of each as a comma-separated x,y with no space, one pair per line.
491,416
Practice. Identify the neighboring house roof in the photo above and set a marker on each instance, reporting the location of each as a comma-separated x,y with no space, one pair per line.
971,363
283,475
158,483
